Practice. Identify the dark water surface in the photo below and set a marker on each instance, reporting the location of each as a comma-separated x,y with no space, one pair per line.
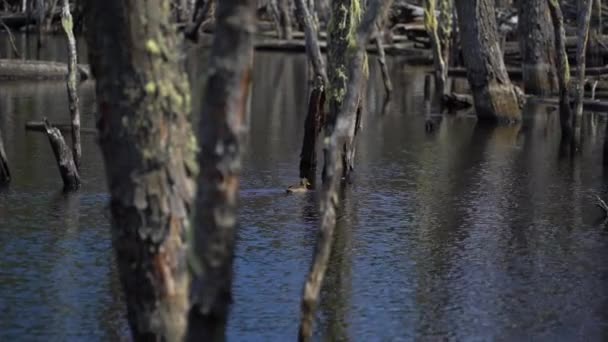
467,233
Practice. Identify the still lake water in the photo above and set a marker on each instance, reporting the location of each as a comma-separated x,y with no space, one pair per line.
466,233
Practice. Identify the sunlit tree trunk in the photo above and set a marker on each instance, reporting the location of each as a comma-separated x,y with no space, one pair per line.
148,147
222,130
494,95
537,48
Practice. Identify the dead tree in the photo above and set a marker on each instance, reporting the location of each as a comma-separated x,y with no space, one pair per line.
563,69
536,42
221,132
146,140
285,17
494,95
63,157
5,173
432,28
72,82
335,139
386,77
581,53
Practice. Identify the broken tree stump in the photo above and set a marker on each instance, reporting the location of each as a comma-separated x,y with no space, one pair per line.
63,156
312,128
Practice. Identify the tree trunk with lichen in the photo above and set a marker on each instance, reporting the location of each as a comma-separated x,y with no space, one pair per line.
494,94
146,139
445,20
222,131
536,43
563,69
72,82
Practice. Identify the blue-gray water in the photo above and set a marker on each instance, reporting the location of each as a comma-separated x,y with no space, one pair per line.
466,233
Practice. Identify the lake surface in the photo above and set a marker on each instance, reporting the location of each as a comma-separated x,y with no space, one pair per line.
465,233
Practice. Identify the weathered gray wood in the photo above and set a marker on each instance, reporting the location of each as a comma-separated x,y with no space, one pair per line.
312,43
16,69
386,77
63,157
222,129
312,128
72,81
143,101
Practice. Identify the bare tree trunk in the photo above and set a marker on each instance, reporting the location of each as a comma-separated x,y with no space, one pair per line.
446,21
335,139
494,95
63,156
39,23
594,56
72,82
51,14
581,49
222,129
5,173
285,17
430,23
536,41
11,38
312,43
148,147
386,77
312,128
563,69
202,11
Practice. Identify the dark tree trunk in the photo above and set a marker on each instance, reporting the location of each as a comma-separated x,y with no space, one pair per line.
581,53
312,128
494,95
64,158
221,132
5,174
312,43
563,69
536,41
147,143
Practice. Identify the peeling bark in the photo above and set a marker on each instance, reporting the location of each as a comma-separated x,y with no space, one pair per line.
222,129
494,95
143,99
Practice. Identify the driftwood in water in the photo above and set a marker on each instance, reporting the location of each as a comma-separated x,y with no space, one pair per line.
63,156
38,126
15,69
5,174
455,101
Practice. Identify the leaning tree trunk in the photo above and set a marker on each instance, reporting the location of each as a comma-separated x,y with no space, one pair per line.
536,42
72,82
494,95
563,69
148,147
345,124
222,131
5,174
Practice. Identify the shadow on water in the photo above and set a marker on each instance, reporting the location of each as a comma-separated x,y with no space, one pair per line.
468,233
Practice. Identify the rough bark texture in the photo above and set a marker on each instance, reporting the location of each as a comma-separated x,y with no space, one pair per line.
222,129
581,49
446,11
563,68
72,82
203,9
147,143
536,41
334,140
64,158
432,28
312,43
5,173
495,97
285,17
312,128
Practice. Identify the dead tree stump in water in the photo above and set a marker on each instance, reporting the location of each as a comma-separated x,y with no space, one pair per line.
63,156
5,174
312,128
72,81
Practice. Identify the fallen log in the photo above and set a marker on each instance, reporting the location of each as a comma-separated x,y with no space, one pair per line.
589,105
455,101
516,73
63,156
16,69
39,126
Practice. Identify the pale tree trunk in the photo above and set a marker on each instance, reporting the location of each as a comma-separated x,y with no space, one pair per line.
494,95
5,174
63,157
445,19
345,123
581,53
148,147
285,19
72,82
222,131
536,42
563,69
432,28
